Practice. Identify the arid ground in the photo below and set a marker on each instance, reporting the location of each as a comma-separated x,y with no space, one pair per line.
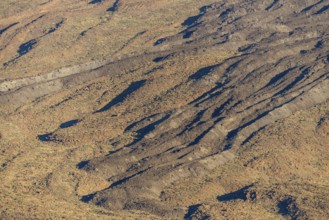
164,109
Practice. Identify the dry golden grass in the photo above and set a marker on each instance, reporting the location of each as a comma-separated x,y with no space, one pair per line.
277,168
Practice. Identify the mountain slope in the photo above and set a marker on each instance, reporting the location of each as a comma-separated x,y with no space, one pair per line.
207,112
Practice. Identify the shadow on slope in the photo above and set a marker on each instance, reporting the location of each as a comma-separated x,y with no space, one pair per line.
123,95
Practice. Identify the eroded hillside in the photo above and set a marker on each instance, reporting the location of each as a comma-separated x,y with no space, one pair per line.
175,109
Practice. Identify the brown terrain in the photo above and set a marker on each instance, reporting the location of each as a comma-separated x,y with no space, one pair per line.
164,109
